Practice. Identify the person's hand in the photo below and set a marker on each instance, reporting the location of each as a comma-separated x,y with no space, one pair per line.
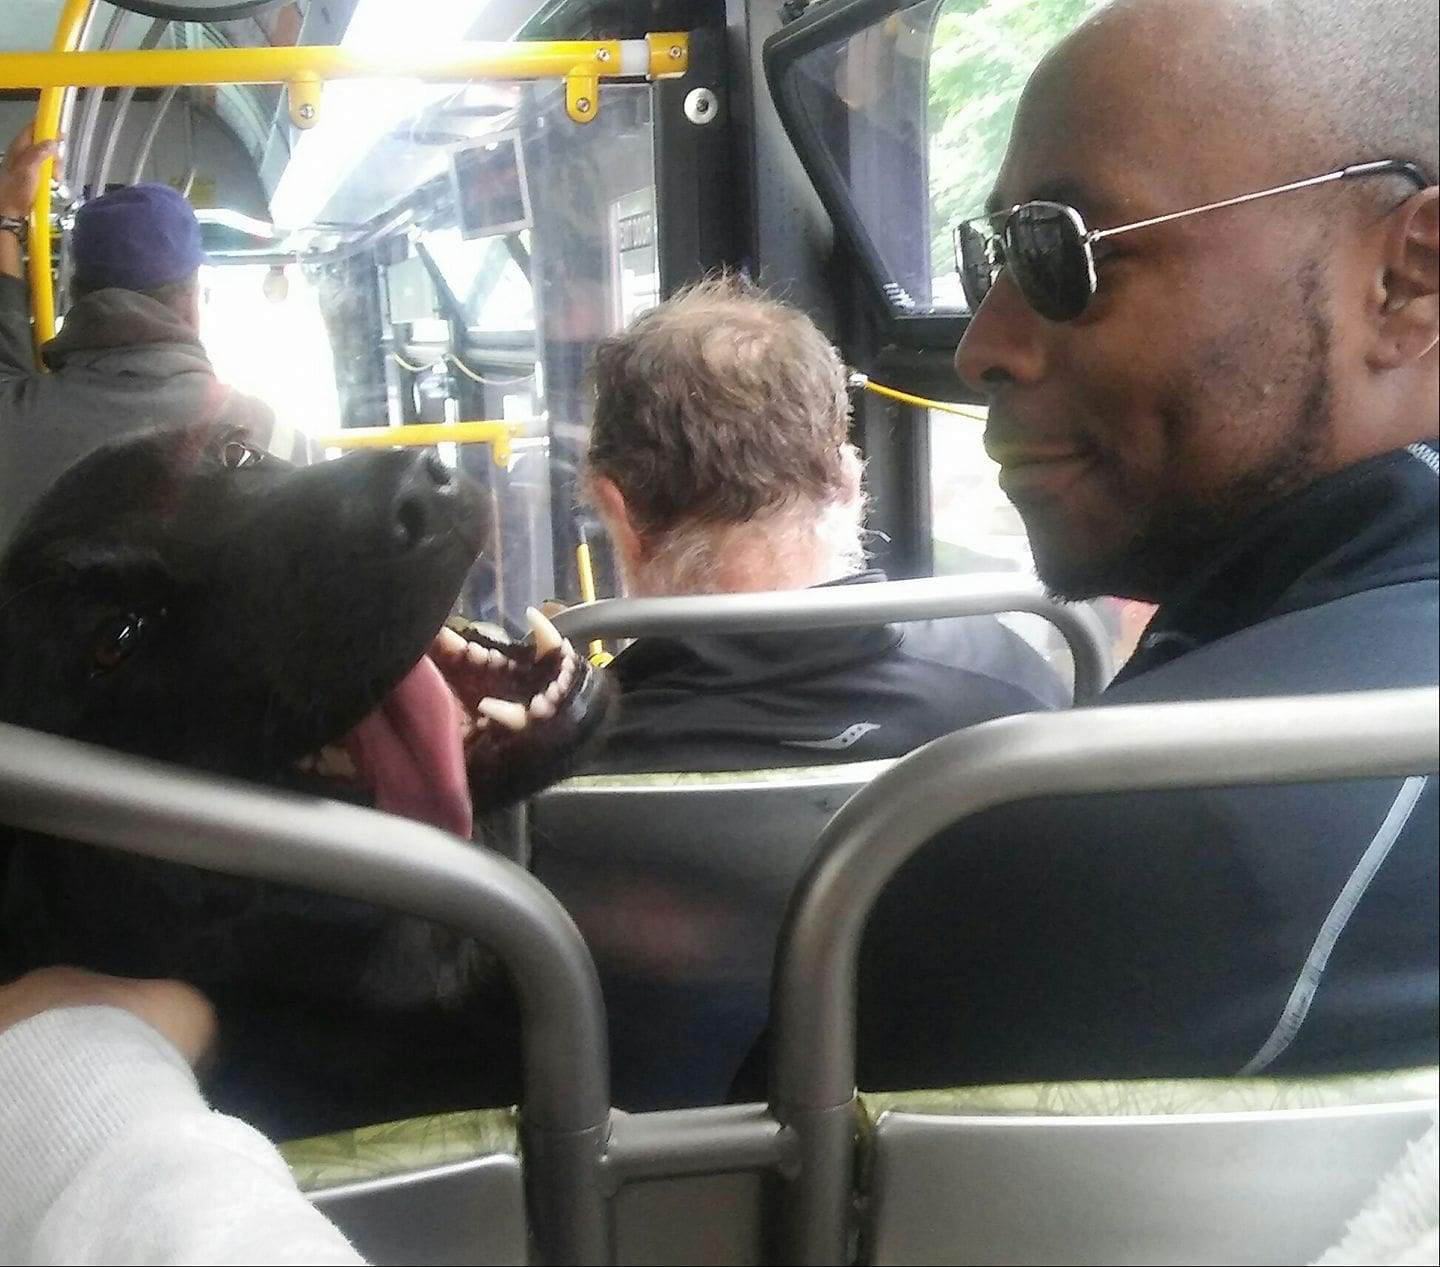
180,1013
20,172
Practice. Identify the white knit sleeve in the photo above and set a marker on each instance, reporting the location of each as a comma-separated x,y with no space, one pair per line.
109,1154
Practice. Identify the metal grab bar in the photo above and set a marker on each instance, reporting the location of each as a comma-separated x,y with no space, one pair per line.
79,792
1360,734
831,607
654,56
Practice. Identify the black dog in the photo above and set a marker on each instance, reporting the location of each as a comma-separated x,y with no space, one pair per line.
182,596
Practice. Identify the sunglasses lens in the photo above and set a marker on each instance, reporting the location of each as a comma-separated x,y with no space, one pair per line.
977,273
1045,252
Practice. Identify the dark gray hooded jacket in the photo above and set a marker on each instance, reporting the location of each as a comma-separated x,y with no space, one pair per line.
122,363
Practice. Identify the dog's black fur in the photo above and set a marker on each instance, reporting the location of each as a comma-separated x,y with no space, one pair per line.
180,596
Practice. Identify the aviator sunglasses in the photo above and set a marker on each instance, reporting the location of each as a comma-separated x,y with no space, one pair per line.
1050,251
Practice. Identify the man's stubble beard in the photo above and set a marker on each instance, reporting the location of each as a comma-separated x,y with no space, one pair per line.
1178,534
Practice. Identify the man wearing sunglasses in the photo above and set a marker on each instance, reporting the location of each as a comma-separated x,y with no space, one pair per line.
1205,321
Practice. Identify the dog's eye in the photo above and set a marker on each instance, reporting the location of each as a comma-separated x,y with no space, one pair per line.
237,455
116,639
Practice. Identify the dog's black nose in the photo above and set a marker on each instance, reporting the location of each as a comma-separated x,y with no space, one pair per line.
424,504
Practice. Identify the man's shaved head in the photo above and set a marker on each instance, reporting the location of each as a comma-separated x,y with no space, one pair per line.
1327,82
1231,358
1355,79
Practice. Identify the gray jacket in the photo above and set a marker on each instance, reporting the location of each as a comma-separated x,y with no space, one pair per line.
122,363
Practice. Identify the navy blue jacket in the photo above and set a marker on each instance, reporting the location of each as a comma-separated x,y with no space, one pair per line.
1199,932
810,697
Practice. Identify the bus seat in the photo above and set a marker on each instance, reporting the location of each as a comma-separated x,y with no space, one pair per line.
679,882
1217,1171
843,606
441,1189
1256,1170
449,1189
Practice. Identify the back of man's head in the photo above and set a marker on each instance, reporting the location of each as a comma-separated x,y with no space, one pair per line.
722,411
142,238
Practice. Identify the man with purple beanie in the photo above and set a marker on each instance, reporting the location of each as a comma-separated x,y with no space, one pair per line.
129,355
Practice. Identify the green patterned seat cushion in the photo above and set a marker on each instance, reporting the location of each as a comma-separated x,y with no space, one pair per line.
393,1148
1163,1095
857,771
396,1148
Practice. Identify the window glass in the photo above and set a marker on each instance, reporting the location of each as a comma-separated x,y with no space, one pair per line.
865,99
381,300
982,53
266,337
913,114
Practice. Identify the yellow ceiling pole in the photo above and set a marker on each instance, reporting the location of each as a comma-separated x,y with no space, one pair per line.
47,123
161,67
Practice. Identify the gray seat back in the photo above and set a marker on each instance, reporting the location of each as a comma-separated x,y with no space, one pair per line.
442,1189
1247,742
1126,1182
838,607
75,791
679,882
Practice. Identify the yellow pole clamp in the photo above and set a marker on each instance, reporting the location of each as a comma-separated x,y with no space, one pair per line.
304,95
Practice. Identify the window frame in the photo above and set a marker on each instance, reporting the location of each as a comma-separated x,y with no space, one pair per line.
823,25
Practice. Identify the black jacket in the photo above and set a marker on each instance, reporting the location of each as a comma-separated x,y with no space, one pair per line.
760,701
1207,932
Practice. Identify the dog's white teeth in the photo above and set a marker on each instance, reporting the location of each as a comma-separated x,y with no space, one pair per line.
496,659
547,637
553,692
541,708
334,763
568,649
566,676
506,712
450,641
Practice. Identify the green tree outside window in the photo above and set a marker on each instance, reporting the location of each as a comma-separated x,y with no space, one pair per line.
983,52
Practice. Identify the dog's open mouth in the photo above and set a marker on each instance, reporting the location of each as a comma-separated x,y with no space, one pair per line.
471,699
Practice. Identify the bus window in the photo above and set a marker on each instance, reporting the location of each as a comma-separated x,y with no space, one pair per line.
981,54
266,336
446,253
902,123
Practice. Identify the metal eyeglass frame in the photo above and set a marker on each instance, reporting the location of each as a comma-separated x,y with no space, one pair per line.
994,244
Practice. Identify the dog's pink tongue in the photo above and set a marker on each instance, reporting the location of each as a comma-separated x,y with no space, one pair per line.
408,752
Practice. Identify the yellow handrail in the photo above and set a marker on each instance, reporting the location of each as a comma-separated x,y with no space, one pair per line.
47,126
660,56
423,434
582,64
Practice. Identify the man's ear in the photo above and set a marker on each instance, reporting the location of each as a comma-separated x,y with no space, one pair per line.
1407,291
612,507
